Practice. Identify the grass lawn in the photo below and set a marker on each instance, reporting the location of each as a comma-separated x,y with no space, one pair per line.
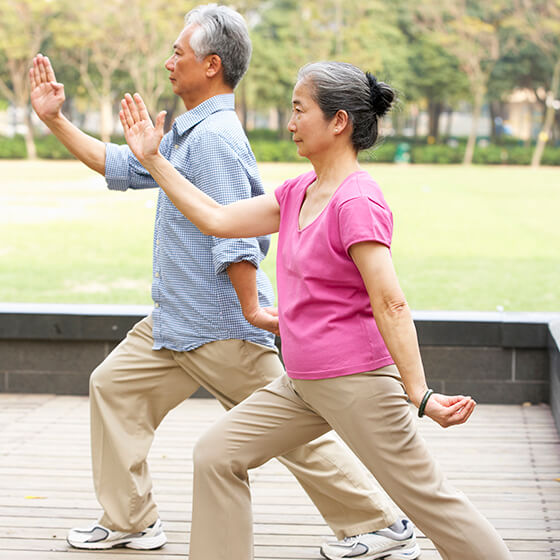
477,238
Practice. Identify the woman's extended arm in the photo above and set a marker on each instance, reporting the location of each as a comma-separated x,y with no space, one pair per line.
251,217
396,326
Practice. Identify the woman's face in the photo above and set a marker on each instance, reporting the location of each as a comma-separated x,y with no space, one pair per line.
311,132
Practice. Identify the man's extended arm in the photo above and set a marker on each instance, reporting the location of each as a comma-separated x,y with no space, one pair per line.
47,98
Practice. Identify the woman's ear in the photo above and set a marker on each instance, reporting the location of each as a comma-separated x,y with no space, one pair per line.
340,121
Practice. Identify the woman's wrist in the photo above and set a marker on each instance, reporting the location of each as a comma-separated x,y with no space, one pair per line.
416,394
151,161
424,402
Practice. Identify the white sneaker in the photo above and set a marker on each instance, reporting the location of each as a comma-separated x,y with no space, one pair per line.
97,537
386,544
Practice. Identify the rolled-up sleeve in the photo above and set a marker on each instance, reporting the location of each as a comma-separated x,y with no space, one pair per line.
221,174
123,170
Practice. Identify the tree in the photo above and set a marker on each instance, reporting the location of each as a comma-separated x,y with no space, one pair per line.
467,29
291,33
521,65
22,31
96,38
157,24
539,20
435,77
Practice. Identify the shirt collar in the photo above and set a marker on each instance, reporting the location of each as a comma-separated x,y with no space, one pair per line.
186,121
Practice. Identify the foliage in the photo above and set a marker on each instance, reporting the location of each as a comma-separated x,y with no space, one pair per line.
436,54
269,149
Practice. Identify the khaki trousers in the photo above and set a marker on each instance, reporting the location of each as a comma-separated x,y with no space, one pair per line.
371,414
135,387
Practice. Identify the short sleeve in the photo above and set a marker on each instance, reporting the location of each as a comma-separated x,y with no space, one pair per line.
280,192
364,219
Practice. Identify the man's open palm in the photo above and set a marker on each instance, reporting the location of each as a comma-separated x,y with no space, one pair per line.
47,95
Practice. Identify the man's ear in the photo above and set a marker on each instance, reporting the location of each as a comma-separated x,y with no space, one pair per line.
214,65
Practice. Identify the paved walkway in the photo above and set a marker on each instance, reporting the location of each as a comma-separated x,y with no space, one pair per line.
506,458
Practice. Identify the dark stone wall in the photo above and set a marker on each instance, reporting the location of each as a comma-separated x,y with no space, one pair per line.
554,353
507,358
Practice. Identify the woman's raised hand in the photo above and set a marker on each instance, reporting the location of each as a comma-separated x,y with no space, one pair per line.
141,135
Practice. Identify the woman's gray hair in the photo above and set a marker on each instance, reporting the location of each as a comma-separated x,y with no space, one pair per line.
222,31
339,86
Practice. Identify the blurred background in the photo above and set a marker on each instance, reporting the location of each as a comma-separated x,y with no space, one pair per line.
478,84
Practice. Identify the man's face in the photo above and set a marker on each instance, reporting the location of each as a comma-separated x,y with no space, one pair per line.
186,73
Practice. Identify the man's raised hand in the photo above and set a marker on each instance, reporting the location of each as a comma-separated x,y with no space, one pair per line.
47,95
141,135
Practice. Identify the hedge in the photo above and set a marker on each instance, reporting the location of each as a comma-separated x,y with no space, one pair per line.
267,148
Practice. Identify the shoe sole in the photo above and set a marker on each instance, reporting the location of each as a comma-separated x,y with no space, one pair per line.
144,543
411,553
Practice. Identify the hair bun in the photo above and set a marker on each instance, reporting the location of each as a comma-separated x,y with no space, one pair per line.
381,95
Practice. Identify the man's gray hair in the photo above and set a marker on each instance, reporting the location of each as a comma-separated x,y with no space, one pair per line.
222,31
339,86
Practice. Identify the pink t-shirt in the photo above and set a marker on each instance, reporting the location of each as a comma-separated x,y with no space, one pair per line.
326,322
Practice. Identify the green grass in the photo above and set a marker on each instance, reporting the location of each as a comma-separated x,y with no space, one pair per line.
477,238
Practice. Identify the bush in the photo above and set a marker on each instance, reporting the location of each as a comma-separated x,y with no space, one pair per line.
263,134
551,156
279,150
436,153
384,152
12,148
48,147
267,147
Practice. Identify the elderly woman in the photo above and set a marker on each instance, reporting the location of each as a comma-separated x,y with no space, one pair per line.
348,339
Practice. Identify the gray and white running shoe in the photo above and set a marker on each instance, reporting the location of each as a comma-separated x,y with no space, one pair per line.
97,537
386,543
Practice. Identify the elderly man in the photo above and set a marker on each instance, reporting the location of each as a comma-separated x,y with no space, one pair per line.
212,324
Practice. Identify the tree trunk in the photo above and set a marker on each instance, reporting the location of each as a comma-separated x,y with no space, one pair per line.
549,117
106,124
242,103
171,109
29,138
282,122
448,124
477,109
434,112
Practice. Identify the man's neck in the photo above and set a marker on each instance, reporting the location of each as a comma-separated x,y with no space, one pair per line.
195,100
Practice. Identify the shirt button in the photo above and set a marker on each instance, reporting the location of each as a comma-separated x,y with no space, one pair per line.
156,305
157,241
157,274
176,146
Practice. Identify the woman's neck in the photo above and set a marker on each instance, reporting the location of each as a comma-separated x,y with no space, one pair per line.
334,168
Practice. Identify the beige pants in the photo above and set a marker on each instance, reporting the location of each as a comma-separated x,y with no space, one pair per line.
371,414
135,387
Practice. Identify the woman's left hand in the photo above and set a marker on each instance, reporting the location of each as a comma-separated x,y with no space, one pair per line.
141,135
449,410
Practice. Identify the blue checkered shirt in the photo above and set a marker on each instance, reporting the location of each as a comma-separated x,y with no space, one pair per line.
194,300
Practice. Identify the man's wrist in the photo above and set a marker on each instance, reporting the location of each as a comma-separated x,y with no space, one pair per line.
53,121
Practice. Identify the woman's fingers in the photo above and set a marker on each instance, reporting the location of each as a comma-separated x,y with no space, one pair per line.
128,118
160,121
133,108
141,107
32,80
